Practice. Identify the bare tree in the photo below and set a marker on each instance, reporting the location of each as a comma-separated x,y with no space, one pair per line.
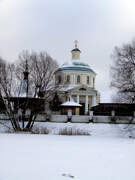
123,73
6,89
41,68
36,70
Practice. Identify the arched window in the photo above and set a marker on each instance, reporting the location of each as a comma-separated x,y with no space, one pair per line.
59,79
68,78
88,79
78,79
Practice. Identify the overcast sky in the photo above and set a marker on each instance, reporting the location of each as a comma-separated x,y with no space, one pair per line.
53,25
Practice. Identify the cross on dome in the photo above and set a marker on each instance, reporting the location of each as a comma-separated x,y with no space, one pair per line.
76,42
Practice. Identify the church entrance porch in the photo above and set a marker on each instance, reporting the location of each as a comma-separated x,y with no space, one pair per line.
87,101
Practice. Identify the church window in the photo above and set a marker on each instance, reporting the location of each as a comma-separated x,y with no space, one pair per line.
59,79
78,79
68,78
88,79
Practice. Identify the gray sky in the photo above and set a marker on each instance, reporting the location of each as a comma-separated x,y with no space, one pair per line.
53,25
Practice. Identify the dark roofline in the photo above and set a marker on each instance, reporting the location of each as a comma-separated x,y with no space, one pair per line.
76,49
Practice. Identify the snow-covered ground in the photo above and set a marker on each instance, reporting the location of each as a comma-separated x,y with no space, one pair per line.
94,129
107,154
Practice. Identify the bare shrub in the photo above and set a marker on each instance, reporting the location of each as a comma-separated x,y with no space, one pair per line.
37,130
73,132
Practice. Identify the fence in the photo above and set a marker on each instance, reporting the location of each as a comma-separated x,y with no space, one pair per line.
80,119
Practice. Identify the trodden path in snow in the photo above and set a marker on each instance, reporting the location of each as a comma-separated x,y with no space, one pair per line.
52,157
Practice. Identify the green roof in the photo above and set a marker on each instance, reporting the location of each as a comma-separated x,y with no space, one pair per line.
76,69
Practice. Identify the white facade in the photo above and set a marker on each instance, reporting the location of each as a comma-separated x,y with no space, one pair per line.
77,80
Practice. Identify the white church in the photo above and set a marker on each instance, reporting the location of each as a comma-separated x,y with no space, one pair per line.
76,80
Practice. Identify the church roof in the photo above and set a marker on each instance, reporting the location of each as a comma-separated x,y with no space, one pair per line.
75,65
77,87
76,49
71,103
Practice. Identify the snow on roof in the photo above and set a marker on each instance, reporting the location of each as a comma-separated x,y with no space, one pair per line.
72,86
69,87
71,103
73,63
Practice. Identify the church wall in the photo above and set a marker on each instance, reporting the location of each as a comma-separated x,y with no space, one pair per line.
57,76
63,99
90,100
82,99
73,78
91,81
98,98
74,97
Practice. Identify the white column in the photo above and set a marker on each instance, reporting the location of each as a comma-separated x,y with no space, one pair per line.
91,115
78,100
94,101
71,98
86,104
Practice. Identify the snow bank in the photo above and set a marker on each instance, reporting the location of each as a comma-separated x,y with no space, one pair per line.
25,157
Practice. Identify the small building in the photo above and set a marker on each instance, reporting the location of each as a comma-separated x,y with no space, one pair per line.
70,106
120,109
